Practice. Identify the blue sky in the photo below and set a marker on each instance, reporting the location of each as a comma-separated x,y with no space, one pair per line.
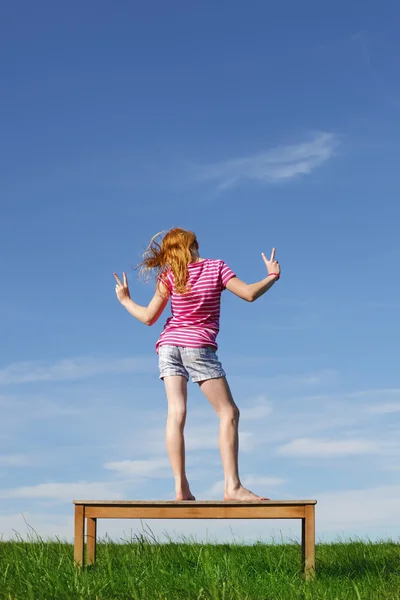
256,125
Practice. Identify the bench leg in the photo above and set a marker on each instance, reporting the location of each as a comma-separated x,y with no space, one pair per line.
91,541
79,533
308,542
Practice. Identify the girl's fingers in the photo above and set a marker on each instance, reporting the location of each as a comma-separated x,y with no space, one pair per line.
272,259
117,279
125,280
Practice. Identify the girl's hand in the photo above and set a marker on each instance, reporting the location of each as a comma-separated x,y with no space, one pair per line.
122,289
272,264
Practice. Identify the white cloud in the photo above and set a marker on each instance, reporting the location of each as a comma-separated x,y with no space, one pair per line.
320,448
323,376
261,408
153,467
62,491
371,506
292,381
280,163
73,368
30,524
261,480
387,407
16,460
374,392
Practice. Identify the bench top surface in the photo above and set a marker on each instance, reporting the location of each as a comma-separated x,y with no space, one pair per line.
172,503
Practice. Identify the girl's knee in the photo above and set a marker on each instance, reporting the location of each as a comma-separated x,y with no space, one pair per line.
177,414
231,413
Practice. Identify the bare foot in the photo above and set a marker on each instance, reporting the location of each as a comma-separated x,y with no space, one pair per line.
184,496
241,494
182,492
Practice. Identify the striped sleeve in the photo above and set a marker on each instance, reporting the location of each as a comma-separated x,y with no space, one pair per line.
225,274
165,278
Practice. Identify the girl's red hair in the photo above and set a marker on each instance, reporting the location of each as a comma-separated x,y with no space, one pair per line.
173,252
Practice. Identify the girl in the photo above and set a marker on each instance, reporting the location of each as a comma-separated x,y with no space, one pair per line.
187,344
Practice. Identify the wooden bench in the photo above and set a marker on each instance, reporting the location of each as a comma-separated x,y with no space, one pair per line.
91,510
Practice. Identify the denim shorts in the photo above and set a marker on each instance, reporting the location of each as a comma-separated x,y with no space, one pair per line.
199,363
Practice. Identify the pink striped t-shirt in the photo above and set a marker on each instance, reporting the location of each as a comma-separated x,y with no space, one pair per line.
195,316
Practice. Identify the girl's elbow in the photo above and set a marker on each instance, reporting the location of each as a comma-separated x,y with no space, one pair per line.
147,320
151,320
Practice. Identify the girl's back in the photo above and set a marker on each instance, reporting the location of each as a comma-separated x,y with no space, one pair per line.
195,315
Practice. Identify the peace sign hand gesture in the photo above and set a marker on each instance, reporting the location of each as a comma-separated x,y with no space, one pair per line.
272,264
122,289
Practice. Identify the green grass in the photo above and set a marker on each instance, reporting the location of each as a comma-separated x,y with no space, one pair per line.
143,569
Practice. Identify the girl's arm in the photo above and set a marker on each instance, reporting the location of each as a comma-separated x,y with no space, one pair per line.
146,314
252,291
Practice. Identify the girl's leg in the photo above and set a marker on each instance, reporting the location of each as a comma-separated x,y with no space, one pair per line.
176,390
219,395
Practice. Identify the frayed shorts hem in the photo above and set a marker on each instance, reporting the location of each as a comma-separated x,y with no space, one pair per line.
194,380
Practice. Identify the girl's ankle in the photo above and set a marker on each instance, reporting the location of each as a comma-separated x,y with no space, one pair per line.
181,483
232,486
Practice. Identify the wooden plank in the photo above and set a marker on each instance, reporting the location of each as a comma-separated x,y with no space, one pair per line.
308,542
195,503
79,532
91,540
195,512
